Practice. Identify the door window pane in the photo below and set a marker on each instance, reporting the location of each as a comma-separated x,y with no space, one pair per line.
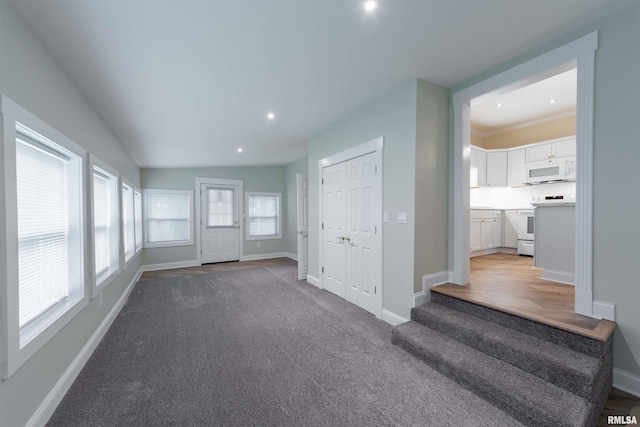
220,207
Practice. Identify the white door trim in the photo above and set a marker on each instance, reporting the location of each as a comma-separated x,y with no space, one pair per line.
581,54
373,146
218,181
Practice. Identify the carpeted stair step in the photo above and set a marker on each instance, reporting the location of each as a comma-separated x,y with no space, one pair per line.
530,399
566,368
588,346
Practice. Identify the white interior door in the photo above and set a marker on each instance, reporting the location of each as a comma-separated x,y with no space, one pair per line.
363,210
333,229
220,229
303,225
351,217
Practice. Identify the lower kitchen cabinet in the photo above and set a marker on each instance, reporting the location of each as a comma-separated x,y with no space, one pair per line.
485,230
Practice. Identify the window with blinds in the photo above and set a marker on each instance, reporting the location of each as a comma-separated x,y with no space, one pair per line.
264,220
168,218
105,222
128,222
49,200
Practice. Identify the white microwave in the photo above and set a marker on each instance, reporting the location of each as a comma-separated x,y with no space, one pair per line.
543,171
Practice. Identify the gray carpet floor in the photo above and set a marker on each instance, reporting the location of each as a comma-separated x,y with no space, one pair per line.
255,347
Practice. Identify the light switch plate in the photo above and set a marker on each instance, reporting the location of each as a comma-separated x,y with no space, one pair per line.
402,217
385,217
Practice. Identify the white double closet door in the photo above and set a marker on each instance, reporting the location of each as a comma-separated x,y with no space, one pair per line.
351,231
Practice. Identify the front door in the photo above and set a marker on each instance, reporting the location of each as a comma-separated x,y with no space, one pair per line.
220,223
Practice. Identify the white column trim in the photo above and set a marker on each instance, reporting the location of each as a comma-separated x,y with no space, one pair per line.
581,54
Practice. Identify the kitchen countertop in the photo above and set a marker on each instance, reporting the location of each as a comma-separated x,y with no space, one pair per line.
554,204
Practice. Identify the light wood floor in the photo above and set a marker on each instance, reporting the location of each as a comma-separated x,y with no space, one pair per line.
619,402
512,284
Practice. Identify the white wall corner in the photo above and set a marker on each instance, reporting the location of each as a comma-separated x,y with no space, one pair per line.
627,382
314,281
169,265
428,281
291,255
57,393
604,310
392,318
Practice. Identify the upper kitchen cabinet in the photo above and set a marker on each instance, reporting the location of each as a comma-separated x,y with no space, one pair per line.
517,170
478,162
496,168
564,147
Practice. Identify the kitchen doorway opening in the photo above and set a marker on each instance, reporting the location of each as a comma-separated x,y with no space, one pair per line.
579,54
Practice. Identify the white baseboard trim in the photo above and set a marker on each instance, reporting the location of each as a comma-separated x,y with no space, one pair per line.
505,250
559,276
428,281
625,381
604,310
314,281
55,396
169,265
257,257
392,318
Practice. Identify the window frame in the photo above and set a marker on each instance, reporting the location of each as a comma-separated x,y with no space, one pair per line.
138,219
171,243
100,283
126,261
35,334
248,235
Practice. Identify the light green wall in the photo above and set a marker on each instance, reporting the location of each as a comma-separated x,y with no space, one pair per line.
30,77
291,170
432,187
616,173
392,116
260,178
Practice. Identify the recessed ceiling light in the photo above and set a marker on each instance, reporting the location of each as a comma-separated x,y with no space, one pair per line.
370,5
552,101
239,150
271,116
499,105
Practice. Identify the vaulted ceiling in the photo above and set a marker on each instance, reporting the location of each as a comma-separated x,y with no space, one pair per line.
187,82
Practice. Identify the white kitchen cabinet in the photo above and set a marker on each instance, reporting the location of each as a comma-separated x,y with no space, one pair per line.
517,170
496,168
564,148
485,230
478,163
538,152
509,231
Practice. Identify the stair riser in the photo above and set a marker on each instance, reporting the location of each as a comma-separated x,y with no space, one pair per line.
483,387
566,339
561,376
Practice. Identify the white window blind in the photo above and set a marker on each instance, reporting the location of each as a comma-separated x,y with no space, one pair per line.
47,207
168,218
101,221
264,215
105,222
137,202
128,222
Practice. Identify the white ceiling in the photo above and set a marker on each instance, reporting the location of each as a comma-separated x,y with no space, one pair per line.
527,105
185,82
